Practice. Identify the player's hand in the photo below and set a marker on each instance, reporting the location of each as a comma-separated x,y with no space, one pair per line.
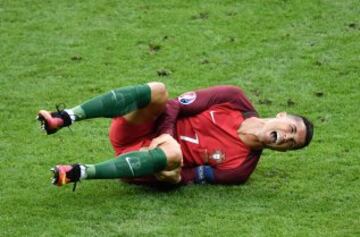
172,176
156,142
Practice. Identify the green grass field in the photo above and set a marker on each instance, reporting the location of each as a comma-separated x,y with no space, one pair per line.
288,55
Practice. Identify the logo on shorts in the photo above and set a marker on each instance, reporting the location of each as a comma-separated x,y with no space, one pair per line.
187,98
218,156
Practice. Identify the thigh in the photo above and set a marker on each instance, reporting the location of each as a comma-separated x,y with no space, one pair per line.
126,137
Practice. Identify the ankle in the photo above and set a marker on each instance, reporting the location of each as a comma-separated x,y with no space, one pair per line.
68,116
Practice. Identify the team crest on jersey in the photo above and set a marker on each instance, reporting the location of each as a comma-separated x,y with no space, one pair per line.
187,98
218,156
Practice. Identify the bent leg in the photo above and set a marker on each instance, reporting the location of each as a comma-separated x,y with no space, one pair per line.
166,156
139,104
149,99
136,129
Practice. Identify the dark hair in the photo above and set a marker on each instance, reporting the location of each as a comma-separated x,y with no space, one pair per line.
309,131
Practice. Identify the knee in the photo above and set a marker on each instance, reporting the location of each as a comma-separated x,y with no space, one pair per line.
172,151
176,153
174,158
159,93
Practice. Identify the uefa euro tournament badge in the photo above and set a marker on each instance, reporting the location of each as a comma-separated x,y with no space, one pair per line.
187,98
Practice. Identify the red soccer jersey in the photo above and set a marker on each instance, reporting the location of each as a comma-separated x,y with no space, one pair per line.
207,121
211,138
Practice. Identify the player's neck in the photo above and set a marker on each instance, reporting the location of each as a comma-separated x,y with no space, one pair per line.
250,131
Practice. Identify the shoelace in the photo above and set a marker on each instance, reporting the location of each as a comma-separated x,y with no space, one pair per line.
73,175
74,186
57,106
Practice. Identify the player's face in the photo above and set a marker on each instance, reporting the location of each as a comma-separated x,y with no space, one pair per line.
285,132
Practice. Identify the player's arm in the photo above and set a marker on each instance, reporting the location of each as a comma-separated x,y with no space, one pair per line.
208,97
192,103
207,174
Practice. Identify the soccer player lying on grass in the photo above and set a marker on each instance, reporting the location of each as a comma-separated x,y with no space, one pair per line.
212,135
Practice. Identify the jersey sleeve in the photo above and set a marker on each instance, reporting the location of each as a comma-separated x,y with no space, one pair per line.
195,102
207,174
192,103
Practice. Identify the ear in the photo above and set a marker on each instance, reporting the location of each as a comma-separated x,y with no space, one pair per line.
281,115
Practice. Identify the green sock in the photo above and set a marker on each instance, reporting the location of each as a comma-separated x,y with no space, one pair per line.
128,165
114,103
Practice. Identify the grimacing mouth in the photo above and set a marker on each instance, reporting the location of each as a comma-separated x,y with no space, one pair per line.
275,137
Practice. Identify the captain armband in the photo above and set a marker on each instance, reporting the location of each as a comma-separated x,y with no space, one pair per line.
204,174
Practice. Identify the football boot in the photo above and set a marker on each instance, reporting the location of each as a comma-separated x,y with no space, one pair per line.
51,122
64,174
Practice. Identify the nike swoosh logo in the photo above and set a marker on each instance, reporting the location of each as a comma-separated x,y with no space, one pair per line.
129,164
212,116
190,139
